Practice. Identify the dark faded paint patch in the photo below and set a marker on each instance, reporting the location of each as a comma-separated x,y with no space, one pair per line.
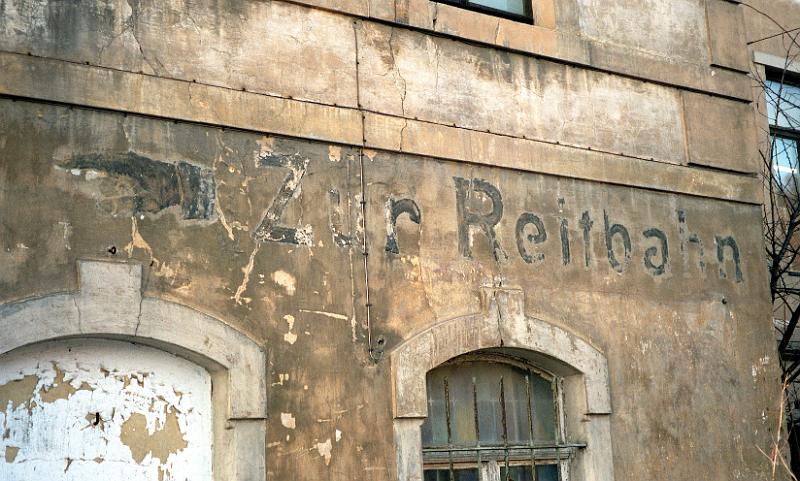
159,185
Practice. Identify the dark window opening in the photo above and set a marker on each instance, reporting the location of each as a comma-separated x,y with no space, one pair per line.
517,10
492,418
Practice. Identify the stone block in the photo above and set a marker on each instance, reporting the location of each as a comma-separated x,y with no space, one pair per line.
726,35
720,133
412,75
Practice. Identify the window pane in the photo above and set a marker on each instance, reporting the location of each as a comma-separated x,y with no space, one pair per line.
783,104
784,161
547,472
544,472
517,473
511,6
444,474
487,377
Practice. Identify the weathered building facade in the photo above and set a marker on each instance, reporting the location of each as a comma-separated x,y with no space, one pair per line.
381,240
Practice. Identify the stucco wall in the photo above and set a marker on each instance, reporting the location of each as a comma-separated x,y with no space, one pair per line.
228,147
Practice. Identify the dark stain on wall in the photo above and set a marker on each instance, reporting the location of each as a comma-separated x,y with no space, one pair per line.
159,185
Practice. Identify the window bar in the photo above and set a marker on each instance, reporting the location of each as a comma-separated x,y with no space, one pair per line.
449,431
477,426
558,429
505,427
534,474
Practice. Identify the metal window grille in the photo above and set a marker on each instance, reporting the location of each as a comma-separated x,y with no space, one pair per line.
505,461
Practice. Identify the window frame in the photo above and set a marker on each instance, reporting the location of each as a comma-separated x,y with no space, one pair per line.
527,17
500,322
559,453
109,305
792,79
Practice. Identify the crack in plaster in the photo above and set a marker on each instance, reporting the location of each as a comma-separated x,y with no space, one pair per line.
134,17
398,75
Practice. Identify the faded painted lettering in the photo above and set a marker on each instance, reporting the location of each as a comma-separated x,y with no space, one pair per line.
271,228
468,218
652,252
394,209
525,237
612,231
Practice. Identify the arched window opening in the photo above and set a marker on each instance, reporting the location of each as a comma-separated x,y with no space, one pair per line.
494,417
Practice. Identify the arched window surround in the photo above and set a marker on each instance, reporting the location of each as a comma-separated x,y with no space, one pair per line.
110,305
502,325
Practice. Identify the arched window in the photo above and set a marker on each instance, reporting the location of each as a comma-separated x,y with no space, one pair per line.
494,417
64,369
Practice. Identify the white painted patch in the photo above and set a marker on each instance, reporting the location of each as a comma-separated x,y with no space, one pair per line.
288,420
285,280
72,425
338,435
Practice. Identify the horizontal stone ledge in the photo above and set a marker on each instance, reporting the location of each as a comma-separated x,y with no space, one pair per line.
85,85
102,88
545,42
396,134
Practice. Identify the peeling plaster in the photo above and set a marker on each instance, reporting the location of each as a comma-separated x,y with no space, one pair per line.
290,336
288,420
97,409
18,391
266,147
324,450
137,241
332,315
165,440
334,153
11,453
246,270
285,280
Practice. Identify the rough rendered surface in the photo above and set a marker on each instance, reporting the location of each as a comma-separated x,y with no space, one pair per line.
237,179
